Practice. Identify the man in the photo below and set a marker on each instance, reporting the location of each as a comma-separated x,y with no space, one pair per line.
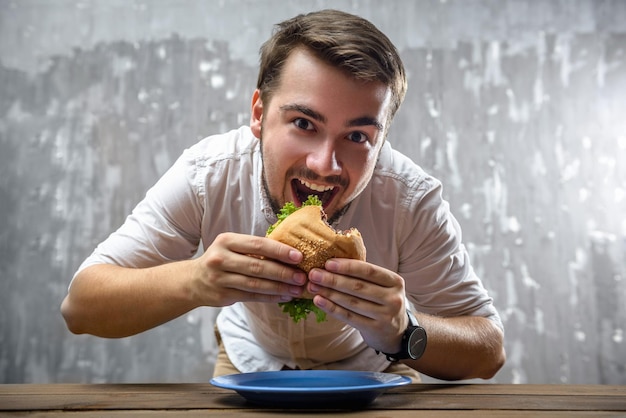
329,85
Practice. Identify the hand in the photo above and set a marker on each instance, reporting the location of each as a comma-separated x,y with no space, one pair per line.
237,267
367,297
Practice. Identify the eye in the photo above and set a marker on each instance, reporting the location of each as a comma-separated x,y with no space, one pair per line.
357,137
303,124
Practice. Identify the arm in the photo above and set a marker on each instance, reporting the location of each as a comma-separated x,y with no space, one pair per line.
371,299
112,301
459,348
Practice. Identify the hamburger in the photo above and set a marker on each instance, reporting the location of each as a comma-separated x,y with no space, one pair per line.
306,229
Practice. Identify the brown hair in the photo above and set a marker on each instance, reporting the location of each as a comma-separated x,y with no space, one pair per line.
343,40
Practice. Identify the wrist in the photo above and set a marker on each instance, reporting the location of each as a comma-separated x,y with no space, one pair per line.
413,341
186,277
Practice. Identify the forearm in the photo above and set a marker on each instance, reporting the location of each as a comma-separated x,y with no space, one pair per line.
111,301
460,348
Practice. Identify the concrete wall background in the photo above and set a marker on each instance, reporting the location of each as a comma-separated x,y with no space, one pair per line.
519,106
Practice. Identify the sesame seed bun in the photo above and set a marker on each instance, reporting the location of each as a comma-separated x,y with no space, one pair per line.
307,231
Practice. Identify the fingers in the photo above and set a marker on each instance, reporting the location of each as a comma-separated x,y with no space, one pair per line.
217,287
357,278
259,257
261,246
256,269
369,298
239,267
351,288
246,296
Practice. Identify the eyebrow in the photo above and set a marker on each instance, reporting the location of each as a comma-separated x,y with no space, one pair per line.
362,121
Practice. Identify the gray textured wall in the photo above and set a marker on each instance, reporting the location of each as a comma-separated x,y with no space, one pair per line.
519,106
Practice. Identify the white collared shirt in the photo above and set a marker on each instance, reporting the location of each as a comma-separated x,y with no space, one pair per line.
215,187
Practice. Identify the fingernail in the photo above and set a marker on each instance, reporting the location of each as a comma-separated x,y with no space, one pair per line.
295,290
295,255
299,278
315,276
331,265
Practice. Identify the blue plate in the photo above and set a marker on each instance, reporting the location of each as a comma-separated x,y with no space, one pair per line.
311,388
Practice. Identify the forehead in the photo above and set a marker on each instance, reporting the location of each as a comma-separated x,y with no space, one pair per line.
307,79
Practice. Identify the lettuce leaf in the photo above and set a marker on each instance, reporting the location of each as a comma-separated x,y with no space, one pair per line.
299,309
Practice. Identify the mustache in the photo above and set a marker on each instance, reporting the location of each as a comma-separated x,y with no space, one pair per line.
305,173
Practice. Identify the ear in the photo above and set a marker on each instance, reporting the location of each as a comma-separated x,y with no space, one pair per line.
257,113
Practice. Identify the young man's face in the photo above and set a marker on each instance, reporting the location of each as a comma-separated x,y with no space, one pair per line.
321,133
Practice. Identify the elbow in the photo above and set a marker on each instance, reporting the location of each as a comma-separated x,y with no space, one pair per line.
494,366
71,322
496,357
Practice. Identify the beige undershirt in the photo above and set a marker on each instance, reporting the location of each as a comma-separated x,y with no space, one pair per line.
223,365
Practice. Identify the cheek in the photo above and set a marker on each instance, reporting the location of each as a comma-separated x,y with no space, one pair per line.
278,157
360,171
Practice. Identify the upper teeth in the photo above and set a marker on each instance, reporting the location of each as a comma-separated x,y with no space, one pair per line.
316,187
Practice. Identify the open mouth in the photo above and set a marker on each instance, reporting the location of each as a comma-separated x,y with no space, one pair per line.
302,189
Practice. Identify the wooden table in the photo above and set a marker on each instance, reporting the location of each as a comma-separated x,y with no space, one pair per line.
202,400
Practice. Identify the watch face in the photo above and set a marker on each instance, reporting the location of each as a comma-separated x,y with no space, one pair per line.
417,343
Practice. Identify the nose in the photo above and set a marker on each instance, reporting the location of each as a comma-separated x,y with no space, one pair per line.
323,159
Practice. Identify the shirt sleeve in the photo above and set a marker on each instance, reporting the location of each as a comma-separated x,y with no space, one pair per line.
165,226
434,262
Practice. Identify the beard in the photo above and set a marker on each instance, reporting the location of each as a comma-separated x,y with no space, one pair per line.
274,203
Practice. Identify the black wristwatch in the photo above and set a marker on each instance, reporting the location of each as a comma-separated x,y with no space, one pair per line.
413,341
